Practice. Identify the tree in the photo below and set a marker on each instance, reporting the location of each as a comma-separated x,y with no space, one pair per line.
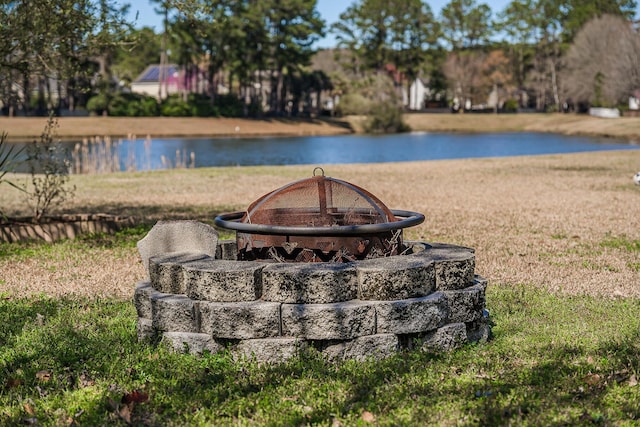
466,24
603,63
45,41
292,27
378,33
576,13
139,49
464,72
517,22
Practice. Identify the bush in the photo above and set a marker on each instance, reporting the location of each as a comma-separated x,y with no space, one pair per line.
49,166
98,104
174,106
386,117
511,105
228,106
200,105
133,105
9,159
353,103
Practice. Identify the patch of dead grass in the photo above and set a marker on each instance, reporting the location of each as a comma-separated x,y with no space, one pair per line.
538,220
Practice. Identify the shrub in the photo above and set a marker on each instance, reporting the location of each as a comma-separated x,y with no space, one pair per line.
119,105
353,103
133,105
98,104
49,165
228,106
200,105
511,105
386,117
9,159
174,106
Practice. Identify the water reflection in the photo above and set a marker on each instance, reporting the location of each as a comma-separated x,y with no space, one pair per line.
168,152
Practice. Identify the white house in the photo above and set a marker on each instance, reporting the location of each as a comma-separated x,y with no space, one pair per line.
148,82
418,93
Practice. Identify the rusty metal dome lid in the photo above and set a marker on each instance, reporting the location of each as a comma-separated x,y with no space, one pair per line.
319,205
318,201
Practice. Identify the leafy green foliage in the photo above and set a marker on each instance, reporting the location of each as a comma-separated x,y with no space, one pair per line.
385,117
554,360
98,104
133,105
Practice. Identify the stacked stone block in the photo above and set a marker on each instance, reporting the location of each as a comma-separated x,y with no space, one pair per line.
429,298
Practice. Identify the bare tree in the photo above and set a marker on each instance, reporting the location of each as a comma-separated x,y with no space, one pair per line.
463,70
603,63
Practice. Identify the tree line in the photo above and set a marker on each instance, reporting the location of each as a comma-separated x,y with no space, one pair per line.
534,53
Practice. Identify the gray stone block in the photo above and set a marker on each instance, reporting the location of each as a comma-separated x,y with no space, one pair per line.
165,271
227,250
378,347
446,338
311,283
342,320
193,343
269,350
465,305
240,320
454,265
174,313
222,281
145,330
479,331
395,278
178,236
410,316
142,299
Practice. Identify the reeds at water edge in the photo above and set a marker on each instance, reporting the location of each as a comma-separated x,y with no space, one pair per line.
98,155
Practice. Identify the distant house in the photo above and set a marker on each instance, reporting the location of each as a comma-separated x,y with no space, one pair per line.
149,81
634,101
419,92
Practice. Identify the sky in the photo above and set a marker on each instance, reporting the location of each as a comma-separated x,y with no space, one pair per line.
330,11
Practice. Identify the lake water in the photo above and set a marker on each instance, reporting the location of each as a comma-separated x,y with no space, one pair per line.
351,148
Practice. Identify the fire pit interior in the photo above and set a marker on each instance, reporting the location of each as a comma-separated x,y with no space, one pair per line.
318,264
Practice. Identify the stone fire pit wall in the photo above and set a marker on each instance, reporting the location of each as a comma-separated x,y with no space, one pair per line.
429,299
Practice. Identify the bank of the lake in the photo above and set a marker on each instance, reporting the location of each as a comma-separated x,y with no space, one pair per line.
20,128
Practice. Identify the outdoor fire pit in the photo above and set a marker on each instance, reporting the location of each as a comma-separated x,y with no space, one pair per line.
319,219
319,264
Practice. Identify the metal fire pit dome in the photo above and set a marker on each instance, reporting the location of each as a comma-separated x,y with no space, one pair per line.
318,219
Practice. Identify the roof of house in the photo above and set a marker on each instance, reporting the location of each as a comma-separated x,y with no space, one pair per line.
151,74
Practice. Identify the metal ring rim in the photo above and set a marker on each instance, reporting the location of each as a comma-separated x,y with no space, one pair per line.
230,221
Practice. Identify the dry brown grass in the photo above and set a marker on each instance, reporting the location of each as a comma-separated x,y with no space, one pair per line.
539,221
79,127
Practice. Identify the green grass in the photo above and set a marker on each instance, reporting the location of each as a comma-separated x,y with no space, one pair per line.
554,360
125,238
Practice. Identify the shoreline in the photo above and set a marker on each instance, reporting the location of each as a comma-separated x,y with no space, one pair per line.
20,129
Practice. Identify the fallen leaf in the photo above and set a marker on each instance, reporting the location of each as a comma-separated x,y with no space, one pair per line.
135,397
13,382
44,375
85,380
28,409
592,379
633,381
367,417
125,414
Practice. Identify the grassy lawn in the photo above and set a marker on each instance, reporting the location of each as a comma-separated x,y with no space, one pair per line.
554,360
556,236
